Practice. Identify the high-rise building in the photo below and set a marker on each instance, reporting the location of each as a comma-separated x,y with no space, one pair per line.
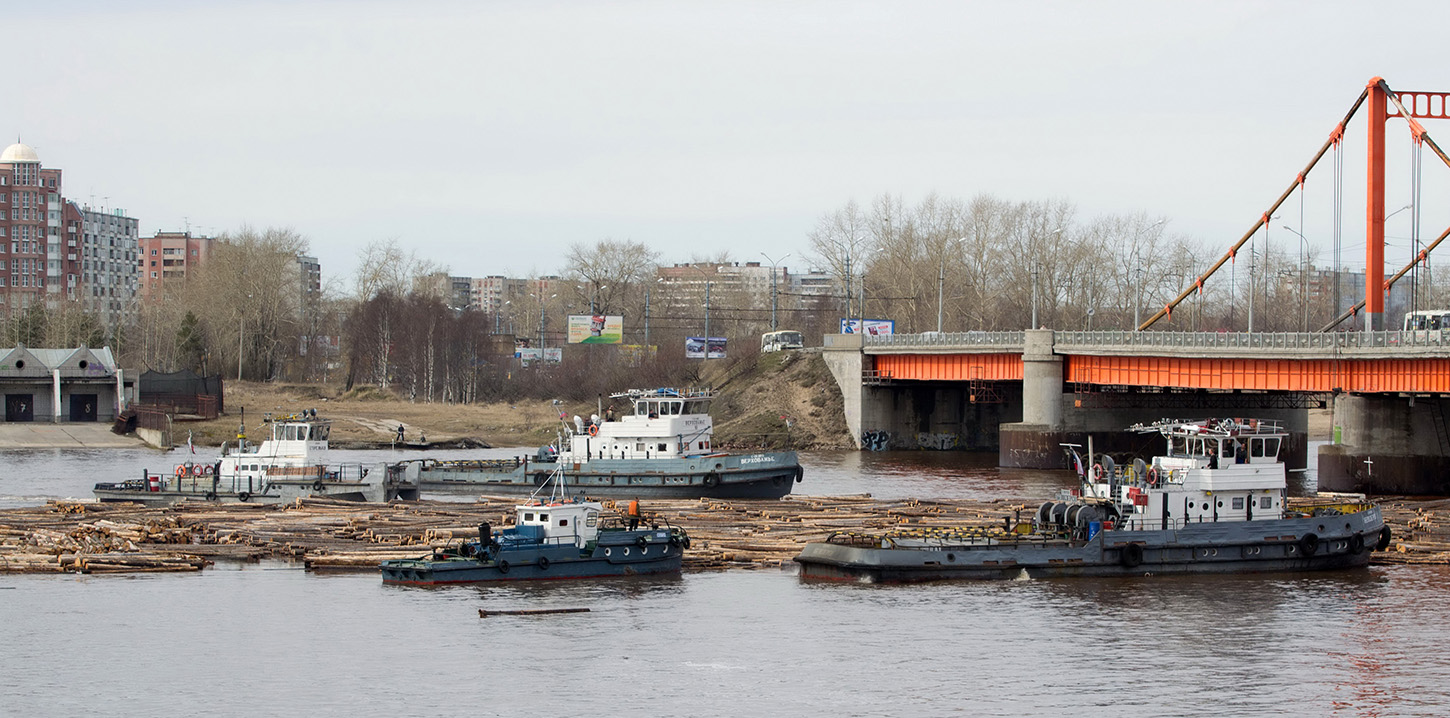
167,256
30,227
108,275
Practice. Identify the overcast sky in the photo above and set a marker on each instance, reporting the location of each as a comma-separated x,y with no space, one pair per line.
489,136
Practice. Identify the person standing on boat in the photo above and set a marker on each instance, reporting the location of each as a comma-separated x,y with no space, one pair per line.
633,514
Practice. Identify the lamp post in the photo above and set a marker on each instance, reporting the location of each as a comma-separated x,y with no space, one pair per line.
1303,273
773,303
1138,280
1414,254
941,280
707,319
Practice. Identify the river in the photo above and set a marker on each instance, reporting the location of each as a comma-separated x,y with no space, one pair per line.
272,639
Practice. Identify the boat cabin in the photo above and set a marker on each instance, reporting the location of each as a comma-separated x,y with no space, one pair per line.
663,424
1214,470
557,523
295,441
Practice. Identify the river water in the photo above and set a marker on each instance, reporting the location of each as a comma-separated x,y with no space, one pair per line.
272,639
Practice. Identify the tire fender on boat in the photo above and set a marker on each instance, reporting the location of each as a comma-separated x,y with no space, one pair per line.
503,566
1356,543
211,496
543,563
1385,537
317,485
244,496
1131,556
712,480
641,541
1309,543
800,473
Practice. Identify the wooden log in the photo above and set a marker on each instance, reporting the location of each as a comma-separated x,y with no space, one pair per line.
482,613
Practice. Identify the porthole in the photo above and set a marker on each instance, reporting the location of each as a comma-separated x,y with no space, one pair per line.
608,552
951,557
1220,504
1321,527
644,551
626,551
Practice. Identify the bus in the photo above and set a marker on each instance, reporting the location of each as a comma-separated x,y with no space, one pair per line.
778,341
1428,324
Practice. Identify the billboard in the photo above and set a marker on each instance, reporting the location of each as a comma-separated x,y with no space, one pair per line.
595,329
873,327
698,348
548,355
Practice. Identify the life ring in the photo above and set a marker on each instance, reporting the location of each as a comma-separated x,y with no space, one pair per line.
1309,544
712,480
1153,476
206,470
543,563
317,485
641,541
244,496
1356,543
1097,471
1131,556
594,430
1385,537
180,471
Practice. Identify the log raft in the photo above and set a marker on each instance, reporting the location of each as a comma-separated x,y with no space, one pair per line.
91,537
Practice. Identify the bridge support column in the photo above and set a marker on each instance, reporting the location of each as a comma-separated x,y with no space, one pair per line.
1388,445
1034,443
845,356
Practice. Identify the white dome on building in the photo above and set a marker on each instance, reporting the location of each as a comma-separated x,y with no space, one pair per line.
19,153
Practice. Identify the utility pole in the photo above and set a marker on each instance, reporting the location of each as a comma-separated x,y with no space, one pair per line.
646,317
773,304
707,320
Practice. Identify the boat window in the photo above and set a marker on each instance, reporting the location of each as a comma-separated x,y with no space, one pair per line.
528,516
1238,503
1256,447
1266,502
1271,447
1226,449
563,522
664,447
591,519
544,518
639,446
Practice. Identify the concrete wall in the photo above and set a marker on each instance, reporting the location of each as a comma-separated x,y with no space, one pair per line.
1388,445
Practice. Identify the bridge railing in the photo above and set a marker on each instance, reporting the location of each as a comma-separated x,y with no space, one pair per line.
946,339
1255,340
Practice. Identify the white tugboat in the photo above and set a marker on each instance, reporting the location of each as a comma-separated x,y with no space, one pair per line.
1214,503
661,449
291,462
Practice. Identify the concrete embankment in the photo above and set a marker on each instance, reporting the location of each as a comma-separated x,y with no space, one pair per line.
28,435
92,537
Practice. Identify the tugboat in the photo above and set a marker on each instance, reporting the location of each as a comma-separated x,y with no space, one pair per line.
1214,503
661,449
555,538
288,464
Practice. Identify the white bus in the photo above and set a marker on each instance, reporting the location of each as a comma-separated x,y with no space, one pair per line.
777,341
1428,324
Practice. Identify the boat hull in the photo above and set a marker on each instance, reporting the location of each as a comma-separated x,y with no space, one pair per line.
624,555
766,475
1299,544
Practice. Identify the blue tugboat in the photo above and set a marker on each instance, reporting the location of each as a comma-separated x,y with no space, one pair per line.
557,538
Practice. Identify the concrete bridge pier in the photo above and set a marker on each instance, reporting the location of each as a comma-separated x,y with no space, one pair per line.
1034,443
1388,445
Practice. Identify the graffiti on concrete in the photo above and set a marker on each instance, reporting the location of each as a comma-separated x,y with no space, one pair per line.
937,441
875,440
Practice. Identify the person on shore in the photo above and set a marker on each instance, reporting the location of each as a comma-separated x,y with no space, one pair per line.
633,514
400,433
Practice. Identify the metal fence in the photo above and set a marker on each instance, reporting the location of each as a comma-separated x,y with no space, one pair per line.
1207,340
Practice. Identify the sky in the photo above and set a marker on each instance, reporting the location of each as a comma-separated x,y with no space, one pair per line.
488,137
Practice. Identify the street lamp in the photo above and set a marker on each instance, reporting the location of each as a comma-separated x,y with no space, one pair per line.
1303,273
1036,266
941,280
773,262
1138,279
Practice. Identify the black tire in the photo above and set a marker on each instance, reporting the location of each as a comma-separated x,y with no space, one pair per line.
799,473
317,485
1131,556
641,541
1309,544
211,496
503,566
244,496
686,542
1356,543
712,480
543,563
1384,540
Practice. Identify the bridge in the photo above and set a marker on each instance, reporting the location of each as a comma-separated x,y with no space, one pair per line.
1023,393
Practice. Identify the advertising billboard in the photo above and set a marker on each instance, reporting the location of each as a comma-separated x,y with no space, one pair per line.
548,355
595,329
874,327
698,348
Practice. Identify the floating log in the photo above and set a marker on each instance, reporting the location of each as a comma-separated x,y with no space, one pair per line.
530,612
